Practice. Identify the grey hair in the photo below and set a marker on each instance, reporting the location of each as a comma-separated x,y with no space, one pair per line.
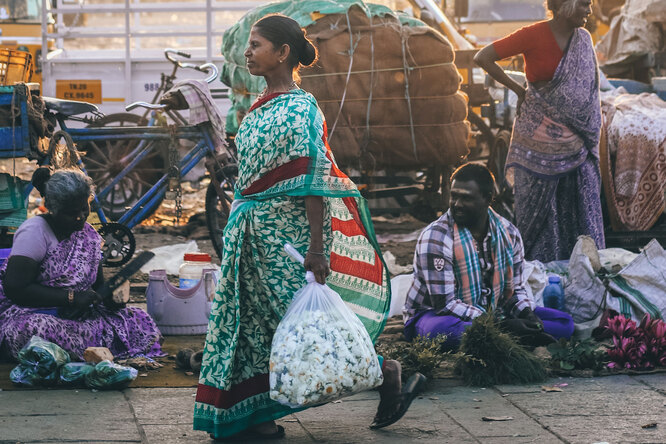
566,7
65,186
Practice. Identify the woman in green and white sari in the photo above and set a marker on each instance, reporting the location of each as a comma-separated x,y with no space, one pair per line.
289,189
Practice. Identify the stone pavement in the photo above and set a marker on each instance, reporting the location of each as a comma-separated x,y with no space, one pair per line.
609,409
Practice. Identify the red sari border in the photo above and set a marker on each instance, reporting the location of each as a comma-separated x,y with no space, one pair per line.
225,399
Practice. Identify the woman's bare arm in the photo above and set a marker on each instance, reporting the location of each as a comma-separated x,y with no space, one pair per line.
315,260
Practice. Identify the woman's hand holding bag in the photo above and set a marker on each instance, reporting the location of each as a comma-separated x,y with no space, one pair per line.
321,351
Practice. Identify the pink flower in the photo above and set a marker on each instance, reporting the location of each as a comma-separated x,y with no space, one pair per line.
637,346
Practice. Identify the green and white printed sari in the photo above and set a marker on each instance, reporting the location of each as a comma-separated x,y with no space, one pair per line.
283,156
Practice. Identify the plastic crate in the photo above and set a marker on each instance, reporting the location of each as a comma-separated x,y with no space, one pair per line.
15,66
15,140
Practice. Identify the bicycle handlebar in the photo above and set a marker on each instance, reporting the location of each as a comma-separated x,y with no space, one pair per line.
169,51
201,68
147,105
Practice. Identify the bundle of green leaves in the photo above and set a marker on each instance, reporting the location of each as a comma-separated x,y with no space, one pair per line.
423,354
577,355
490,356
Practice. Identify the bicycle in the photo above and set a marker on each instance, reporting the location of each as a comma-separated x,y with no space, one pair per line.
144,141
107,159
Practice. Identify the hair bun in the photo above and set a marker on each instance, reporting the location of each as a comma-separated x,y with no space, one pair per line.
39,179
308,53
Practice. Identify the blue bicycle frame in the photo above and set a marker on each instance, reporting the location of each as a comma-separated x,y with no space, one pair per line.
142,208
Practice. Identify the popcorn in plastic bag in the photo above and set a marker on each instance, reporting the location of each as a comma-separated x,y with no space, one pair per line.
320,351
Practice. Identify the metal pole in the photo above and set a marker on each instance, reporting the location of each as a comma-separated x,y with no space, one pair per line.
209,30
129,97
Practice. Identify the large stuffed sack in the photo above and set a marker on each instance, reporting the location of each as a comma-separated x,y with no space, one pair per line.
386,83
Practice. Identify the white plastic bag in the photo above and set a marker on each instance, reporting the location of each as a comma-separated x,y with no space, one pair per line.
320,351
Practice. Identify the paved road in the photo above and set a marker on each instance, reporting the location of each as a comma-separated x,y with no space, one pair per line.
609,409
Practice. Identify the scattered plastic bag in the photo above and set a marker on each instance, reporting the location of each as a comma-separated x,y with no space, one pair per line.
107,376
320,351
74,373
39,361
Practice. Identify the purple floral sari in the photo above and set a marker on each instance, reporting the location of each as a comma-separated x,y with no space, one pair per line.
554,155
73,264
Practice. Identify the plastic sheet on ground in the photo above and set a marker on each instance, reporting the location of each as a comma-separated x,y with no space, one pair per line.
169,257
399,287
393,267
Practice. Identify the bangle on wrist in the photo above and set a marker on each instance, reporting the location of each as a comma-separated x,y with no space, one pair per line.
70,297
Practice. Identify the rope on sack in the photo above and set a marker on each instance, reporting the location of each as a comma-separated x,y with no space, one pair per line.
371,71
352,48
406,70
366,134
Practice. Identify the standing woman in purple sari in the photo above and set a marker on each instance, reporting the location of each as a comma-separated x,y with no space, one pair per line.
48,284
554,151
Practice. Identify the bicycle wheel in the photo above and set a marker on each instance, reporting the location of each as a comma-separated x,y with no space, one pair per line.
217,212
105,159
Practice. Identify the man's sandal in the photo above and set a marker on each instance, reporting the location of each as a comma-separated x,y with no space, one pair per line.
391,412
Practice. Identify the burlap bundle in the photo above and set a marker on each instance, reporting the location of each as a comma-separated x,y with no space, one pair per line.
398,105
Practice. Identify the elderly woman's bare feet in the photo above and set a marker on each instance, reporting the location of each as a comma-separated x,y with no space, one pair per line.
394,401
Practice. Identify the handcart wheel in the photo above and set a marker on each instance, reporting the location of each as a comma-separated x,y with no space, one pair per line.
217,211
503,203
62,152
119,244
103,161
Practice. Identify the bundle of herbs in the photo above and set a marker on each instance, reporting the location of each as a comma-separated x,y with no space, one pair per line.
423,354
577,355
490,356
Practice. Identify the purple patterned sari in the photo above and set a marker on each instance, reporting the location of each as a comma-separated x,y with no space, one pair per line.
73,264
554,155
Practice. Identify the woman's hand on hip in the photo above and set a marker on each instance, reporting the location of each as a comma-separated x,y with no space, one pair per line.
318,265
521,99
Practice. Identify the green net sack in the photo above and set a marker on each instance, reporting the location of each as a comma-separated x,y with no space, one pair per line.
74,373
108,376
39,361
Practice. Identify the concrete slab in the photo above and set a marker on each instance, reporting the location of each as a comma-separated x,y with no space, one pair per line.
98,426
173,406
63,415
612,429
656,381
47,402
349,420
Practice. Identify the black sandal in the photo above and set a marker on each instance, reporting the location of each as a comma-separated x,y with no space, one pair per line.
389,414
247,435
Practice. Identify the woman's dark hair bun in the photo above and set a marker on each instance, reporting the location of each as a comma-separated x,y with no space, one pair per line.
39,179
279,30
308,53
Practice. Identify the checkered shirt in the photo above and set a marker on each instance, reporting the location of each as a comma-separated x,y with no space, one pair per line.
434,283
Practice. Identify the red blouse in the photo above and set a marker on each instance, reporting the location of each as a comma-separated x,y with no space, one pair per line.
537,44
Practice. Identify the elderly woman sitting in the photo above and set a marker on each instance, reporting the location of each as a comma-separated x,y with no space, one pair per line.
48,283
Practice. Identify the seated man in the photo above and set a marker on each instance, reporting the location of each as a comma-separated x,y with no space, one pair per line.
470,260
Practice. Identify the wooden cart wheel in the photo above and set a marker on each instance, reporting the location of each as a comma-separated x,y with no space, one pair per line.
104,159
498,153
503,202
218,210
